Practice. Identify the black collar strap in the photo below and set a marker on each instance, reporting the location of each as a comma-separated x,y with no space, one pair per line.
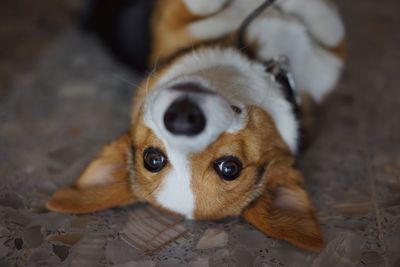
279,69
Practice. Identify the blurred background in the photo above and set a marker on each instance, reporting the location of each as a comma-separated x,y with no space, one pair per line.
63,96
27,28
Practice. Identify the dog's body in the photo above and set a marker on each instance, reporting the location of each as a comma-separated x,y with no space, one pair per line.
213,134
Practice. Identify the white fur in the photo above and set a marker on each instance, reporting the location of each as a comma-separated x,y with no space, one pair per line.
218,112
292,28
203,7
175,192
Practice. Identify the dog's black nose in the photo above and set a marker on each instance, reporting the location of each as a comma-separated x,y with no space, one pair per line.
184,117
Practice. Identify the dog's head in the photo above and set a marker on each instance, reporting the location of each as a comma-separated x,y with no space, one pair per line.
212,136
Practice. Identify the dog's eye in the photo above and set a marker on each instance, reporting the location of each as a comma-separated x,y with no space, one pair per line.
228,168
154,160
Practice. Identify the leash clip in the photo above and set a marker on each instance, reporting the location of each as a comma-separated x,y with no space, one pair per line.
279,68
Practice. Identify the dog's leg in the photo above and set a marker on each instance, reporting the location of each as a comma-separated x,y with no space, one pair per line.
181,24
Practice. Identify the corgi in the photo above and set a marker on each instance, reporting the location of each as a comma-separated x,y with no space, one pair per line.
213,133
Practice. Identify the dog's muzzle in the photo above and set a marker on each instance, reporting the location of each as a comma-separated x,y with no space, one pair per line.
188,115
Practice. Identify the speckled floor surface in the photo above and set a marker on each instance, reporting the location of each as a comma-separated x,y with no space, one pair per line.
56,117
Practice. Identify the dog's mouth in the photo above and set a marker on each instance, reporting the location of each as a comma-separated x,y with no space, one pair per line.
191,114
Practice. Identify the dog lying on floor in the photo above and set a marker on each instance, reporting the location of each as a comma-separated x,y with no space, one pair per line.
214,131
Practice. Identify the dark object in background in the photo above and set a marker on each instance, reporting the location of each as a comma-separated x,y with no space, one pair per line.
123,26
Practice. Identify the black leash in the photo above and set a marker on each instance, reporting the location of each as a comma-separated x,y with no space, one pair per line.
248,20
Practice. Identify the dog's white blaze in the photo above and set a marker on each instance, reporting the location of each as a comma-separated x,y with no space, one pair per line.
175,192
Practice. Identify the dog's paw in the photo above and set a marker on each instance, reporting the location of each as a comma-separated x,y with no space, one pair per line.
321,18
224,22
205,7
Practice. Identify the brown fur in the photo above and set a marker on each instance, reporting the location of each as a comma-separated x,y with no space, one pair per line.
340,50
169,31
215,197
278,213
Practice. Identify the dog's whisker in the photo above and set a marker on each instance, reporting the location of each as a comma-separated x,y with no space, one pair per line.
148,83
121,78
151,75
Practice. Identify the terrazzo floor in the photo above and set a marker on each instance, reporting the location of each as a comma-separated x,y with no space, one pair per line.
55,117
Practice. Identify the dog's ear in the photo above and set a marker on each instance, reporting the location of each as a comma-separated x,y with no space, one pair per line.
103,184
284,211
